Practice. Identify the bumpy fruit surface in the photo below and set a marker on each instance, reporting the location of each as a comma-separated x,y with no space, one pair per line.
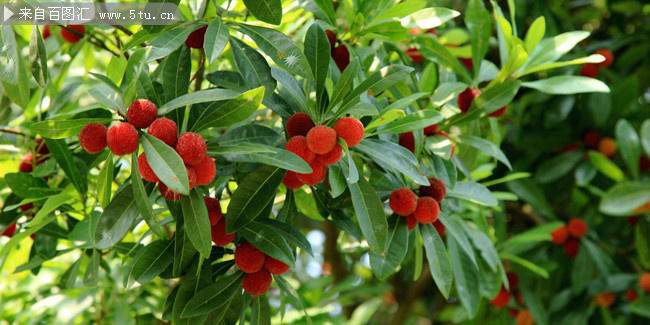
214,210
403,201
168,193
191,176
206,170
299,124
350,129
145,170
331,157
274,266
141,113
72,37
219,236
93,137
122,139
257,283
196,38
589,70
466,98
248,258
165,130
501,299
559,235
298,145
316,176
577,228
644,282
321,139
436,189
291,180
191,147
427,210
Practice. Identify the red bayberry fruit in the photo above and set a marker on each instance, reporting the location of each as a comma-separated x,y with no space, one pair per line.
592,139
316,176
141,113
9,231
46,32
72,37
41,147
407,140
513,280
427,210
414,54
524,317
168,193
605,299
440,228
321,139
589,70
332,38
291,180
499,112
122,139
219,236
501,299
191,176
248,258
466,98
298,145
559,235
341,57
214,209
331,157
631,294
350,129
431,129
609,57
274,266
403,201
644,163
411,222
467,62
257,283
145,170
93,137
206,170
196,38
191,147
577,228
164,129
571,247
644,282
436,189
607,146
299,124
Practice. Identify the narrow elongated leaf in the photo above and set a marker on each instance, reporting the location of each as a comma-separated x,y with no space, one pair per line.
213,296
345,83
216,39
641,307
622,198
396,246
165,163
439,262
254,193
198,276
156,258
92,269
38,57
377,82
317,50
184,251
627,141
435,51
270,241
487,147
473,192
535,33
234,111
176,70
201,96
105,182
169,40
259,153
27,186
558,166
268,11
453,226
252,66
50,206
197,222
606,166
116,220
370,214
250,133
645,136
291,234
429,17
466,278
551,49
63,129
477,19
414,121
393,157
63,156
141,195
566,85
107,97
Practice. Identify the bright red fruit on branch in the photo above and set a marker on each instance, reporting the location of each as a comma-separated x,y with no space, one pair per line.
350,129
403,201
299,124
73,33
141,113
436,189
466,98
195,39
191,147
93,137
609,57
321,139
122,139
248,258
164,129
257,283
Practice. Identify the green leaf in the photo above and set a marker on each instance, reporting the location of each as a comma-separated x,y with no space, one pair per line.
535,33
487,147
396,247
31,228
166,163
268,11
456,229
116,220
268,240
433,50
414,121
551,49
327,8
92,270
473,192
492,99
259,153
370,214
446,92
641,306
38,57
169,40
337,180
213,296
9,55
197,222
477,19
156,258
594,58
280,48
250,133
198,276
606,166
105,182
27,186
467,282
377,82
63,129
558,166
52,203
530,192
627,142
63,156
317,50
234,111
108,97
201,96
622,198
176,70
400,10
252,66
540,314
645,136
439,262
254,193
141,195
350,170
566,85
429,18
393,157
184,251
260,311
291,234
345,83
642,240
216,39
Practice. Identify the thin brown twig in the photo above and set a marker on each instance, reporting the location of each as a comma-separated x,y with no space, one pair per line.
198,76
12,130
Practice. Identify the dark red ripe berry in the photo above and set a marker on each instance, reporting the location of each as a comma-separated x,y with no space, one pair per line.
502,298
41,147
499,112
274,266
414,54
46,32
214,210
248,258
195,39
72,37
589,70
316,176
466,98
205,171
257,283
145,170
440,228
9,231
298,145
332,38
93,137
407,140
592,139
436,189
411,222
141,113
609,57
219,236
644,163
122,139
403,201
431,129
571,247
299,124
467,62
341,57
168,193
513,280
164,129
291,180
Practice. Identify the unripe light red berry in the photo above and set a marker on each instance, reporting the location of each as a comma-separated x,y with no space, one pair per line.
427,210
71,37
577,228
191,147
93,137
219,236
644,282
165,130
321,139
145,170
466,98
248,258
316,176
331,157
141,113
257,283
299,124
403,201
196,38
298,145
350,129
436,189
274,266
122,139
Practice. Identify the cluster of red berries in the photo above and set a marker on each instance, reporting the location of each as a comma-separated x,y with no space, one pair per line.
569,236
122,138
606,299
423,209
591,69
340,53
217,222
318,146
407,139
258,267
502,298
